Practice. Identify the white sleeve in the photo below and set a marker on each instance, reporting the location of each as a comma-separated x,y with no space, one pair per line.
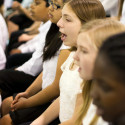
26,3
2,58
30,46
35,64
109,4
123,14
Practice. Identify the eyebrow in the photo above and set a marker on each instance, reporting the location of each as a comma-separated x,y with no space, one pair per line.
66,15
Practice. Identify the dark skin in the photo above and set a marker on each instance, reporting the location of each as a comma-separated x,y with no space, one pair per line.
109,91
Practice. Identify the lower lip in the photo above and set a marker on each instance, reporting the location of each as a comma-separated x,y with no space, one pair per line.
79,69
63,38
50,16
31,13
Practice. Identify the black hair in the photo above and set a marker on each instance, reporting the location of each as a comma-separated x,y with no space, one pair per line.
114,50
47,3
53,42
1,2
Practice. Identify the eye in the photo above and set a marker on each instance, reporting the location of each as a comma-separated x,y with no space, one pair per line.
37,3
103,85
85,51
68,20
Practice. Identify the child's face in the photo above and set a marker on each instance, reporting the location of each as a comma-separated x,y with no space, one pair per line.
108,91
39,11
69,26
85,56
55,10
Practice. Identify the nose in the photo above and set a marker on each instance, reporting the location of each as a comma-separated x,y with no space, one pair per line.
32,6
60,23
76,56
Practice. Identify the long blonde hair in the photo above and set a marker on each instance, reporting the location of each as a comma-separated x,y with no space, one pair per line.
97,30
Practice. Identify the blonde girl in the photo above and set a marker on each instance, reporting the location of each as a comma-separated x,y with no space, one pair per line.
89,41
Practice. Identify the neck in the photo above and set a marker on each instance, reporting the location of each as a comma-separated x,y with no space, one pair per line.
120,120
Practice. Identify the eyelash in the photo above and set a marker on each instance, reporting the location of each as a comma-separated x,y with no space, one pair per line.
84,51
67,20
37,3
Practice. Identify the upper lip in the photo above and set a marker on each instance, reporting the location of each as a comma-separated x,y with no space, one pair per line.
61,32
49,13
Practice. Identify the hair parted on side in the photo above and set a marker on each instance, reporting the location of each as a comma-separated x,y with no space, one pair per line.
87,10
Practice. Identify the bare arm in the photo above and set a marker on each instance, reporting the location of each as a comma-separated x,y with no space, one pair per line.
51,113
34,26
52,91
49,93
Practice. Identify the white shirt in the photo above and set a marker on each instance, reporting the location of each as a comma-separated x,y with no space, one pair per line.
123,14
31,45
70,83
26,3
90,115
8,3
110,6
3,33
49,69
34,65
2,58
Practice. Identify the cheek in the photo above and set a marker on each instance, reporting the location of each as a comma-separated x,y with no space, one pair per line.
85,69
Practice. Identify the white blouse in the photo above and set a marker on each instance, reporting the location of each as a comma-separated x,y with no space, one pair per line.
2,58
49,69
90,115
110,6
123,14
31,45
70,83
3,33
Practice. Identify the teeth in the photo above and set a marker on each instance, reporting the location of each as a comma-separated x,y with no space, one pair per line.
63,37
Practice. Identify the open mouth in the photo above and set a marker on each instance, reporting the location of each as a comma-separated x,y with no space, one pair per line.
50,15
31,13
63,36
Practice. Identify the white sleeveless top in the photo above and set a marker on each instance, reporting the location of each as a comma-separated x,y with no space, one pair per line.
70,86
90,115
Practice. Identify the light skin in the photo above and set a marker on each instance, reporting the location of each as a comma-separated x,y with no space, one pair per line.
108,91
63,24
48,94
66,24
85,56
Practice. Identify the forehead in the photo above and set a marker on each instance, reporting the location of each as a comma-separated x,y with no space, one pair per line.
57,1
67,11
84,40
